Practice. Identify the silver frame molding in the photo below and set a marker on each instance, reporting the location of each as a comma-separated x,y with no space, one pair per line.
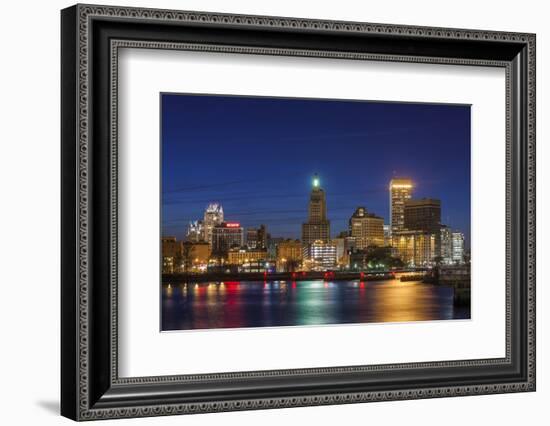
91,39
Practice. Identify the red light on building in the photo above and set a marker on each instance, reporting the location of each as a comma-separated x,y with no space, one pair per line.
232,225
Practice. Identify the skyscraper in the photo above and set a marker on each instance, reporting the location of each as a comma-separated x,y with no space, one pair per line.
366,228
415,248
446,245
272,244
226,236
423,215
317,228
171,251
262,237
251,238
387,235
257,237
213,216
400,191
195,231
458,247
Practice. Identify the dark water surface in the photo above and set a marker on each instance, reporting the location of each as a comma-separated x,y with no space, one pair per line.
280,303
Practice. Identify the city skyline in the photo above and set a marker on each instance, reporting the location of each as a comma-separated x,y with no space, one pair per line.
280,200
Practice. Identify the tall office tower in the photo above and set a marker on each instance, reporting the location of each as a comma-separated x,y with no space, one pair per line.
317,228
446,245
423,215
262,237
366,228
400,191
226,236
256,238
458,247
171,251
340,244
387,235
213,216
272,244
251,238
195,231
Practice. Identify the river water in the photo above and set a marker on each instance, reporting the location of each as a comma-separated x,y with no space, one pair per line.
280,303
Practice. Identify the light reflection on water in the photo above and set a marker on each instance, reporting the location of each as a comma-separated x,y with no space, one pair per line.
286,303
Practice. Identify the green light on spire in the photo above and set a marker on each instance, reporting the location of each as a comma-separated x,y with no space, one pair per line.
315,181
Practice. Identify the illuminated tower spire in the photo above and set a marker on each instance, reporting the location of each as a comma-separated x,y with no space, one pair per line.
317,203
317,226
315,181
213,215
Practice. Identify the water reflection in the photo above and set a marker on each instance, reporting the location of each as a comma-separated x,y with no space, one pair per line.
281,303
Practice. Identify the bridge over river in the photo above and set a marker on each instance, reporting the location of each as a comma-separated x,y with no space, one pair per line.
290,276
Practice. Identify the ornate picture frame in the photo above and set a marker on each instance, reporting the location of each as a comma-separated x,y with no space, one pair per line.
91,37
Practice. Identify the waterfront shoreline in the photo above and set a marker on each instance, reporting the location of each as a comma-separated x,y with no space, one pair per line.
279,276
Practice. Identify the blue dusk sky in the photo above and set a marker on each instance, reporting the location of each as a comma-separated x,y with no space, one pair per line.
257,155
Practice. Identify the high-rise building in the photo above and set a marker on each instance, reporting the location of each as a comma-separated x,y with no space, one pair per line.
415,248
340,244
195,231
272,244
422,215
257,237
262,237
251,238
400,191
317,208
317,228
289,255
446,245
315,232
226,236
320,255
366,228
458,247
213,216
171,255
387,235
350,245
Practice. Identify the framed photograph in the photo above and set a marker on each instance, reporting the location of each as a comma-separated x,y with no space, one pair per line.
263,212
